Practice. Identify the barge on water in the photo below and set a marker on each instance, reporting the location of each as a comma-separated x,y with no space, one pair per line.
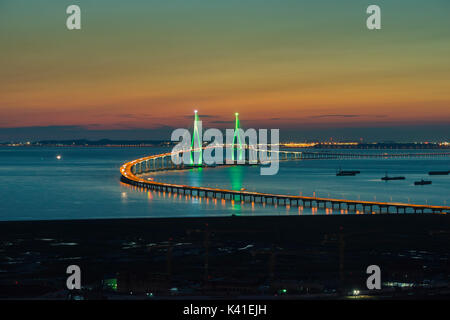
422,182
438,173
387,178
341,172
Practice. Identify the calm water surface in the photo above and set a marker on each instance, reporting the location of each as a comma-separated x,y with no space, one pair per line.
85,183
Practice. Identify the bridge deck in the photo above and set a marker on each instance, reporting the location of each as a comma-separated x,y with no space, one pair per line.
130,171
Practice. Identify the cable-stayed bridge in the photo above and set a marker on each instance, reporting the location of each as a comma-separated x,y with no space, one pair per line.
131,173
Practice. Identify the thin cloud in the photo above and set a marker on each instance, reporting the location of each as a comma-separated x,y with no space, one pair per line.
200,116
222,121
347,116
336,116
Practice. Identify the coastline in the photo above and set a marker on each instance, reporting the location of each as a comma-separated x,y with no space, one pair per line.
161,253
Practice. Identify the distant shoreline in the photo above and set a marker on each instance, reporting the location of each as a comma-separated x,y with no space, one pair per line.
82,146
364,147
303,145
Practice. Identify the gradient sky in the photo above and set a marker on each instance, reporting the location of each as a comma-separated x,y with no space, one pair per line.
139,68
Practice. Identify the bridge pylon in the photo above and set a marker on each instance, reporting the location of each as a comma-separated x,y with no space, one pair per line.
237,142
196,144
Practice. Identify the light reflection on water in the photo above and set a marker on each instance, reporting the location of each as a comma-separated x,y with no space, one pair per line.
85,183
317,178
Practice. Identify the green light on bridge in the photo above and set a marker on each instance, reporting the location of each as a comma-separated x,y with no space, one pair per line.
237,138
196,137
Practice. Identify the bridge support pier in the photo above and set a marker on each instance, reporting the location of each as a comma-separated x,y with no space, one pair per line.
164,162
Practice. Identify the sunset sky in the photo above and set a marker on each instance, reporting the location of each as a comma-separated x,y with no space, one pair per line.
139,68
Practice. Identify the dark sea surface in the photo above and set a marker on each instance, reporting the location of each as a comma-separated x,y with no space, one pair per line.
84,183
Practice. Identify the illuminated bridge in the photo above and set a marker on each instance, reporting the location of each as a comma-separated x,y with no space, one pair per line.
131,173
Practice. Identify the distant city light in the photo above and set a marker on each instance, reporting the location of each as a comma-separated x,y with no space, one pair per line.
58,157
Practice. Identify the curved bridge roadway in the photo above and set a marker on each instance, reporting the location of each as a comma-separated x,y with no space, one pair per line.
130,172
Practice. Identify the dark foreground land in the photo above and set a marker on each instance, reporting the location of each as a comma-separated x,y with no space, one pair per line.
266,257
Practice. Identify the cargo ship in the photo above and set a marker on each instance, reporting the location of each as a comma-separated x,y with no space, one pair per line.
341,172
438,173
421,182
387,178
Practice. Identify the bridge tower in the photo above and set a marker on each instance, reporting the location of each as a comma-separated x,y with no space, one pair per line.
237,143
196,142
